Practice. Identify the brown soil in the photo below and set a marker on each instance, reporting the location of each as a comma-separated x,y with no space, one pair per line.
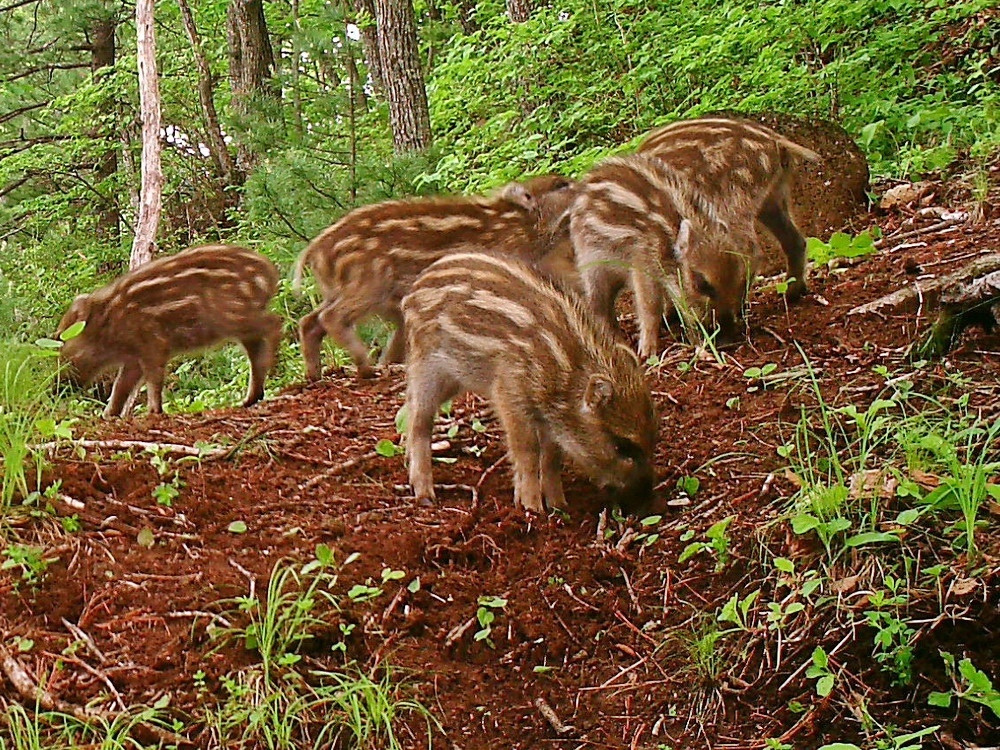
607,615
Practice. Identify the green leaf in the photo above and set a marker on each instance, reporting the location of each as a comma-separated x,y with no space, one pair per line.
820,658
651,520
784,565
690,551
414,585
497,602
402,420
237,527
73,331
804,523
386,448
941,700
824,686
908,516
870,537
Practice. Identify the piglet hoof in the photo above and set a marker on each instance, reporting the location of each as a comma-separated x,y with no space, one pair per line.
796,291
423,493
366,372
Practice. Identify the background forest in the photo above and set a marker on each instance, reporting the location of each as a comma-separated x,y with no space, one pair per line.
275,122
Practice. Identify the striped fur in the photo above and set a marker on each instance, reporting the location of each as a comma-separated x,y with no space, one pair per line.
744,171
195,299
560,381
366,262
626,227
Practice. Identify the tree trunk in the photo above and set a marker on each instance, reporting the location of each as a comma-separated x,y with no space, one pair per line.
102,59
467,16
251,62
519,11
149,104
216,143
403,78
369,40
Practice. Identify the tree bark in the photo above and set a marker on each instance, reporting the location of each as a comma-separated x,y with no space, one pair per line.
365,18
151,192
217,149
251,63
102,59
403,78
519,11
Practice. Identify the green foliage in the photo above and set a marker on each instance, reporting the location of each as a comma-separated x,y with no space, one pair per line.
842,245
971,684
580,79
279,703
27,376
716,543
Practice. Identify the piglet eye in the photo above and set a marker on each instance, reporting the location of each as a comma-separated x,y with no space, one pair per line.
703,286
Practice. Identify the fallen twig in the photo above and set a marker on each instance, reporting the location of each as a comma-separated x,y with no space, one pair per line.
946,224
456,633
337,469
124,445
550,716
35,694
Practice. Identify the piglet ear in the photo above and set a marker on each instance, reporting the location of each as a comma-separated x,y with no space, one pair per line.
682,245
518,193
599,392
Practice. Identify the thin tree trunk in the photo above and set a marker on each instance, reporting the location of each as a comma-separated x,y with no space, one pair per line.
102,60
403,78
369,40
216,143
149,103
251,62
519,11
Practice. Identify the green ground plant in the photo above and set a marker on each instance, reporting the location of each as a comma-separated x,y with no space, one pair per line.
282,703
27,378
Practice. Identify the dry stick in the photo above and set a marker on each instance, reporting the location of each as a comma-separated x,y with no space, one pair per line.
34,693
196,613
456,633
550,716
78,633
337,469
922,230
186,450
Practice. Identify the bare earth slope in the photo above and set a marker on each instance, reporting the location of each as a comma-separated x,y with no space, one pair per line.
599,623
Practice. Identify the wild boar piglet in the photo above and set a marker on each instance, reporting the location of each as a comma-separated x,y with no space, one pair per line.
638,222
194,299
365,263
739,171
560,382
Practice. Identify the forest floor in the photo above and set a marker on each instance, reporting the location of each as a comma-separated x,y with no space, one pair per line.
605,639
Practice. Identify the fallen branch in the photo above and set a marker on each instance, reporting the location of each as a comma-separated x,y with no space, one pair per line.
974,303
930,291
34,694
124,445
941,225
336,469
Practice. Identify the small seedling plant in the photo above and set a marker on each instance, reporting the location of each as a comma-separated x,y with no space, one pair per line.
486,615
716,543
